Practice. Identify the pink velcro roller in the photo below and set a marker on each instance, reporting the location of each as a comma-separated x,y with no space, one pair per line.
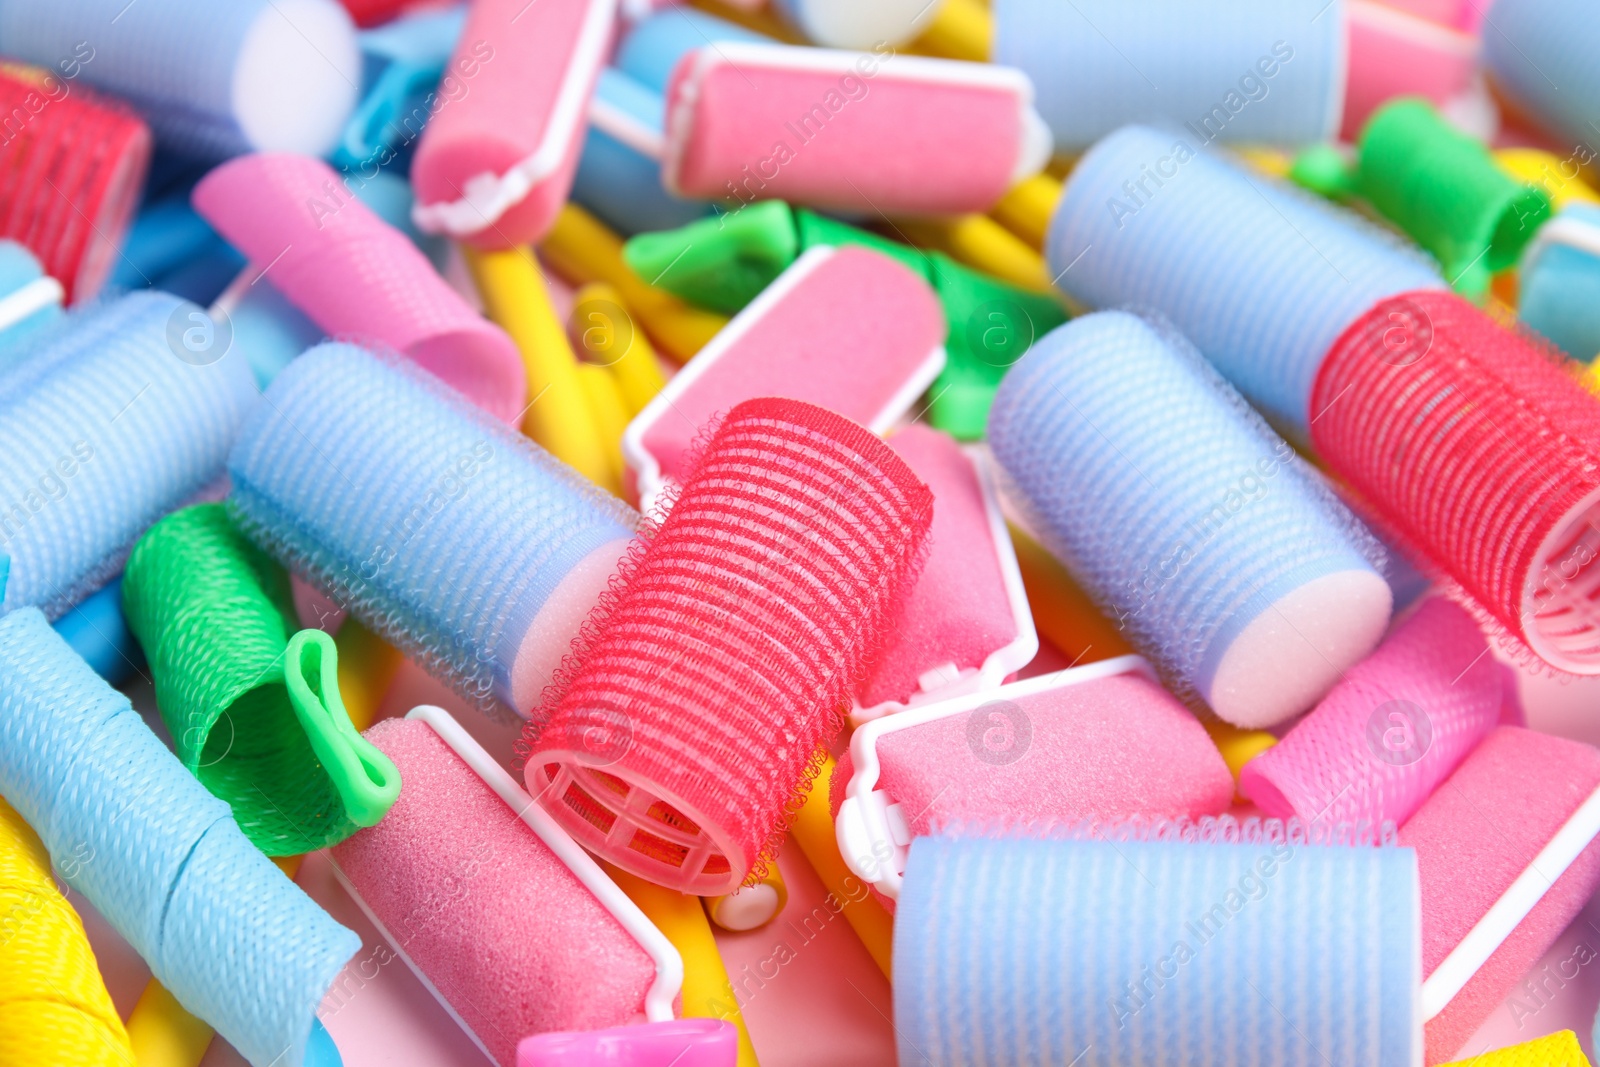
967,626
356,276
1395,53
847,329
496,163
1506,855
856,131
1390,731
511,926
1103,741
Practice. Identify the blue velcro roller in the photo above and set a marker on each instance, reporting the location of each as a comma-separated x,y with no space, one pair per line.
1261,276
619,173
402,64
212,79
455,537
1560,281
1541,56
1243,71
654,44
1200,531
29,298
235,941
106,428
1153,953
96,630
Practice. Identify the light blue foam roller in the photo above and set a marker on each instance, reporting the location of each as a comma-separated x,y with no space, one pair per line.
1243,71
268,330
104,429
455,537
1261,276
29,299
96,630
619,172
1540,54
1203,535
402,64
235,941
212,79
1014,952
653,45
1560,281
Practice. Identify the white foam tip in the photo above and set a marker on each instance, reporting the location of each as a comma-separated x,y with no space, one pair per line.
747,908
863,23
297,77
1292,654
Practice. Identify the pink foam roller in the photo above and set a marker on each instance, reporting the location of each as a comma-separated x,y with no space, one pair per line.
847,329
497,159
356,276
507,932
858,131
680,1043
1103,741
1390,731
1396,53
1507,857
967,625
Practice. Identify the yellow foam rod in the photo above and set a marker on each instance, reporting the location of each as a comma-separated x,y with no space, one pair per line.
813,830
608,411
163,1033
1238,746
1557,1050
607,335
962,29
707,993
983,244
1559,177
582,249
751,906
367,666
1027,208
559,414
54,1008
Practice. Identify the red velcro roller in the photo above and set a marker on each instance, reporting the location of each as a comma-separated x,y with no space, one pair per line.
372,12
71,167
679,735
1483,453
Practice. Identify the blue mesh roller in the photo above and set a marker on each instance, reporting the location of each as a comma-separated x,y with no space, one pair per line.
212,79
1167,497
1244,71
1011,952
1540,55
441,529
103,430
162,859
1259,275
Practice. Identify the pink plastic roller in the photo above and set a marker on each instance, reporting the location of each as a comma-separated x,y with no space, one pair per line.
356,276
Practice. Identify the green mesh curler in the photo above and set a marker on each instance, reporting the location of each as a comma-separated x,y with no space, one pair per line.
1444,189
253,707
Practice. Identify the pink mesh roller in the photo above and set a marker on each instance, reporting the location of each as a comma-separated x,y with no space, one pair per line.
1391,731
356,276
1483,453
680,733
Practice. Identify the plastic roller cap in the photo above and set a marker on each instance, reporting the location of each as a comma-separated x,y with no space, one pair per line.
679,1043
212,79
403,63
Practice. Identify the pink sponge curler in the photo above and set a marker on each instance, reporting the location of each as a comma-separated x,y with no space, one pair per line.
682,1043
967,625
1393,53
505,920
677,739
1103,741
847,329
356,276
498,156
1390,731
1506,855
857,131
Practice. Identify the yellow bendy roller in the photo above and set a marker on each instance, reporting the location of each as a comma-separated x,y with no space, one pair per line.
707,993
54,1008
559,415
983,244
961,29
1556,1050
606,334
813,829
1026,209
582,249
